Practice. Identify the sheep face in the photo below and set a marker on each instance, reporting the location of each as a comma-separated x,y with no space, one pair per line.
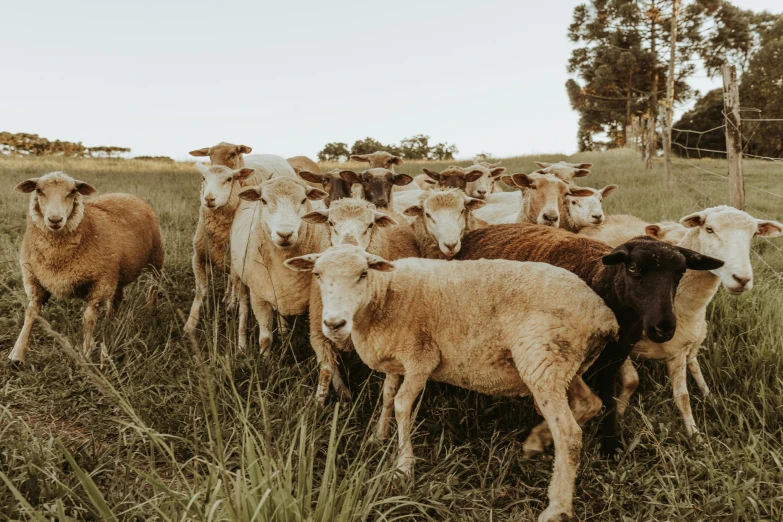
725,232
343,276
445,217
226,154
481,187
334,185
56,201
648,280
351,221
545,195
282,203
218,183
564,170
587,210
377,184
379,160
455,177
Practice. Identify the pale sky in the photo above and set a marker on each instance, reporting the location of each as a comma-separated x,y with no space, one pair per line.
166,77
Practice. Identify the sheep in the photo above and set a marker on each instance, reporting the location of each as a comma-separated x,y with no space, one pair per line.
586,211
232,156
723,232
301,163
377,184
219,197
268,229
441,220
88,249
333,184
535,343
564,170
455,177
637,280
353,222
619,228
382,160
485,185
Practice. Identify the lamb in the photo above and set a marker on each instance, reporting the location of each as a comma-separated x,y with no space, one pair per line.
353,222
455,177
377,184
564,170
535,343
637,280
268,229
89,250
619,228
485,185
441,220
723,232
333,184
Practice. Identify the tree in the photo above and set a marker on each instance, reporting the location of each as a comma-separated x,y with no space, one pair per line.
24,144
706,115
336,151
369,145
414,148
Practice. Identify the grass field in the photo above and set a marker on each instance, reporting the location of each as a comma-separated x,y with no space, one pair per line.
169,431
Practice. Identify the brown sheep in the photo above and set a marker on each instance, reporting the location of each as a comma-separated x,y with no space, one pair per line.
331,182
377,185
88,250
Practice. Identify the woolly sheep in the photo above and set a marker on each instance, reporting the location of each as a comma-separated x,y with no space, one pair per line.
455,177
619,228
485,185
564,170
88,249
300,163
722,232
535,343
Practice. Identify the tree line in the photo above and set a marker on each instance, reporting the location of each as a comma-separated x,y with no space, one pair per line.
24,144
622,60
417,147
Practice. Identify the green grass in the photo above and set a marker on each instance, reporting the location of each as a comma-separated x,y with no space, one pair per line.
172,431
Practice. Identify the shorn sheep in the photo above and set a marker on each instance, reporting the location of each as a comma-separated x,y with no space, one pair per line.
537,341
220,187
637,280
268,229
88,249
353,222
722,232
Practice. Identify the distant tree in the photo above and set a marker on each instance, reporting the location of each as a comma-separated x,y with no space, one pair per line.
443,151
369,145
26,144
336,151
706,114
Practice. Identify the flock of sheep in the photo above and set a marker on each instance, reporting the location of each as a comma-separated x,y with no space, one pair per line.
515,293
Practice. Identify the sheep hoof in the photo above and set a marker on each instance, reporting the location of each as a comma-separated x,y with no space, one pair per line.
697,440
15,364
555,514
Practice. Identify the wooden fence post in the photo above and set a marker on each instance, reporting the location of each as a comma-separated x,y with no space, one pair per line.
731,111
667,132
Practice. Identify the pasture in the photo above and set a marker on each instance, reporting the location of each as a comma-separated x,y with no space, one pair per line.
169,430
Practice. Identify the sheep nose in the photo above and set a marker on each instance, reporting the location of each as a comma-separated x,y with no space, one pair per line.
741,280
381,203
55,220
334,324
481,192
285,234
450,246
210,201
551,217
598,217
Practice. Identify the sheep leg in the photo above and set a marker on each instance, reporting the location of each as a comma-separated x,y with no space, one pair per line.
403,406
678,375
390,386
695,368
264,314
89,319
36,296
114,305
584,405
325,352
244,310
152,291
629,378
567,436
200,272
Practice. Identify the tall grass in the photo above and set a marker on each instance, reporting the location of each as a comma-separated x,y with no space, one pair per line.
176,430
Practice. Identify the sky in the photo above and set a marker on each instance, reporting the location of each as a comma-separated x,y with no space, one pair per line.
165,77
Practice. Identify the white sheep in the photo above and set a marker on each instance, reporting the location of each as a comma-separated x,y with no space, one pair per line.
564,170
535,342
486,184
88,249
619,228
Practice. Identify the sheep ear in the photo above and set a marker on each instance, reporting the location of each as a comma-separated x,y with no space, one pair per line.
250,194
608,191
402,179
379,263
360,157
581,173
85,189
243,174
473,175
396,160
302,263
521,180
431,173
580,192
27,185
694,220
317,216
200,152
415,210
382,220
653,231
312,177
314,194
244,149
697,261
496,172
350,176
769,228
618,255
583,166
202,168
542,165
474,204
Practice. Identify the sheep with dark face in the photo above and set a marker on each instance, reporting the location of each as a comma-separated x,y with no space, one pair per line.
332,183
377,185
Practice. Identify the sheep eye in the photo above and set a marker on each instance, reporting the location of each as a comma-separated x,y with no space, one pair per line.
317,275
74,192
364,275
227,180
709,230
632,268
304,201
429,217
263,201
331,224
